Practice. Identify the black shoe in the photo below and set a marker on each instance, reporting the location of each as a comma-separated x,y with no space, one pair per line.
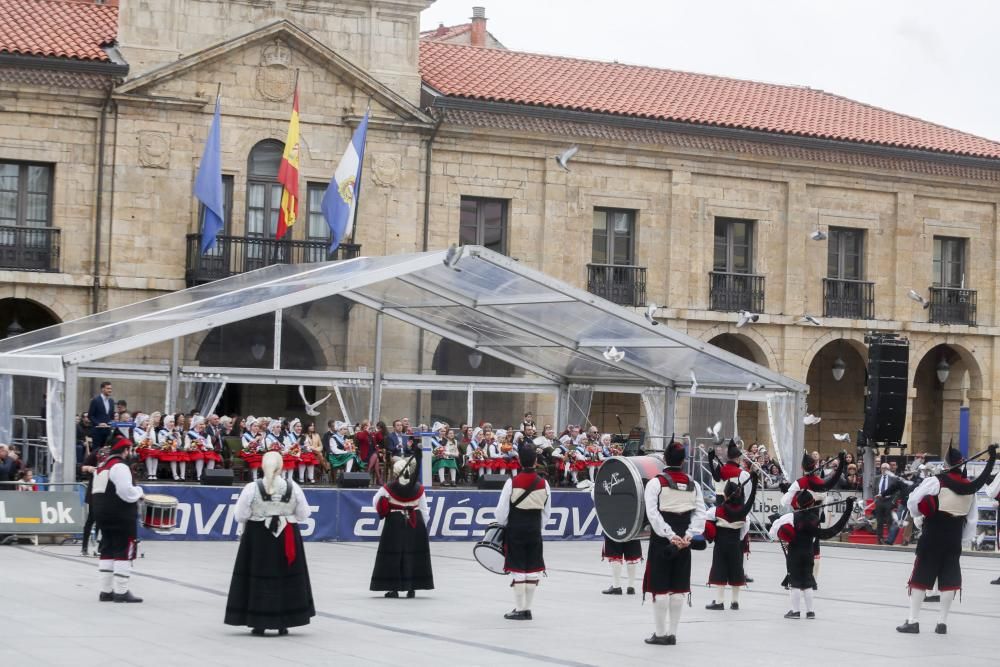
630,590
515,615
614,590
748,579
810,614
932,598
411,594
663,640
941,629
793,614
258,632
735,606
909,628
716,606
106,597
996,582
83,552
282,632
392,594
126,597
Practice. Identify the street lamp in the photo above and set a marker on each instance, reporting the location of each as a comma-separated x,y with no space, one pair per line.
258,349
475,358
943,369
838,369
14,328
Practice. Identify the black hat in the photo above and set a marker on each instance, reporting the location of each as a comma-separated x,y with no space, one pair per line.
808,462
733,490
526,455
675,454
733,452
805,499
954,457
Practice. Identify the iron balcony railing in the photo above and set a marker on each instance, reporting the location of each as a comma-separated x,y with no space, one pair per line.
853,299
29,248
733,292
953,305
621,284
238,254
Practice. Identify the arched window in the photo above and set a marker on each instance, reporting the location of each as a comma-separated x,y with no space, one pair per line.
263,189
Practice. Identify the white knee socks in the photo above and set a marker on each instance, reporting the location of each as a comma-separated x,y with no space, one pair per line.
795,599
631,575
199,465
311,473
916,599
735,591
106,575
184,468
210,464
720,594
947,597
441,475
302,472
616,574
519,587
808,595
349,465
661,608
530,586
151,467
676,605
122,573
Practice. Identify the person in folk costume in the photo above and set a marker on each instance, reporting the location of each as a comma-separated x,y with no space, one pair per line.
559,458
617,553
676,512
307,457
508,452
945,507
801,530
726,526
403,561
114,500
993,491
445,453
199,449
270,588
524,507
145,442
252,446
171,448
341,453
813,480
722,474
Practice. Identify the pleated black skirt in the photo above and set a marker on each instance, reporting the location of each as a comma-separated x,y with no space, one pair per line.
403,561
265,591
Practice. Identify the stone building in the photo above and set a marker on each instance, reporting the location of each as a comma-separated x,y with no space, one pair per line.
697,193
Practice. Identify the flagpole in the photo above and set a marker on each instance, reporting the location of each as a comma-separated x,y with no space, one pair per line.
357,195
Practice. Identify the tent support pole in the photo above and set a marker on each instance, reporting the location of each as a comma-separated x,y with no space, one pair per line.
375,409
669,410
65,472
277,339
174,384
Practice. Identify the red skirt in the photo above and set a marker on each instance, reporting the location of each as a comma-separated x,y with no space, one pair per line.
212,455
149,452
497,464
478,464
594,464
578,465
309,459
171,457
195,455
252,459
289,461
513,464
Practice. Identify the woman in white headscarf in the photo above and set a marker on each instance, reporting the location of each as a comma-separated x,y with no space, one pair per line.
342,453
403,561
252,445
270,588
445,453
145,442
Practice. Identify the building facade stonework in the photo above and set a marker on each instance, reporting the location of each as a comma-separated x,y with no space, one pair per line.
123,158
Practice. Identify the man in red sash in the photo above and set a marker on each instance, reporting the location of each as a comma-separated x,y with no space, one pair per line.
114,501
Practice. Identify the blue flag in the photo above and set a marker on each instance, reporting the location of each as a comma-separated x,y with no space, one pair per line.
208,184
341,197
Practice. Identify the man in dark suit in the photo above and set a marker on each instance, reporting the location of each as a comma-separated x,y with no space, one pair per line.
887,486
101,413
398,442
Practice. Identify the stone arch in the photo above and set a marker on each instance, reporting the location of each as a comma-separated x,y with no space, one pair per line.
751,416
935,407
19,316
839,403
967,356
854,339
763,353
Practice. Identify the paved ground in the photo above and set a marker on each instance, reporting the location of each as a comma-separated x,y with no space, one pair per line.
50,614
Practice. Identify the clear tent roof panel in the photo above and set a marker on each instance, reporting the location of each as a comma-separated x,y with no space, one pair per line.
487,300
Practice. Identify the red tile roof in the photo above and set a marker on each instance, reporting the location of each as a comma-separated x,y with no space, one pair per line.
57,28
445,32
646,92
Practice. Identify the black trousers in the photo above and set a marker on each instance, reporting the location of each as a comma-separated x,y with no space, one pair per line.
883,515
88,525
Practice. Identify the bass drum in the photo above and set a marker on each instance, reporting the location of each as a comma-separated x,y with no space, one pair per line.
618,494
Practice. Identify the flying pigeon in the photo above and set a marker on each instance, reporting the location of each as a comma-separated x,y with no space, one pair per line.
613,354
754,386
311,407
745,318
811,420
818,235
842,437
694,384
919,299
563,158
714,432
455,253
809,319
650,310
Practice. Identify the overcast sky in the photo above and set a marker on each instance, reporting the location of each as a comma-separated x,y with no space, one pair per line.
935,60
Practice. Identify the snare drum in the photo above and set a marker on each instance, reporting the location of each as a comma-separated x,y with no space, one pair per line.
489,550
159,512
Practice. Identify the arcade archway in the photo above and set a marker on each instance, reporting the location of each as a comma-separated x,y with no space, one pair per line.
836,378
751,416
18,316
941,387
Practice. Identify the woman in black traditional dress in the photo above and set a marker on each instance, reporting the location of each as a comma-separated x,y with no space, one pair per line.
403,562
270,589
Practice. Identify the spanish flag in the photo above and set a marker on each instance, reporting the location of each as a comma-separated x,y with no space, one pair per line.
288,173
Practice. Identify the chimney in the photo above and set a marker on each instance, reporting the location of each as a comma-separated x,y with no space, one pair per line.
478,35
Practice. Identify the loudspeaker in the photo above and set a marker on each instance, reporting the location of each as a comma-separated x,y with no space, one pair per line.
217,477
885,402
354,480
490,481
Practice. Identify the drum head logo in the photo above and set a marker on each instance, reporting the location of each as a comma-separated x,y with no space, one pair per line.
621,531
610,484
